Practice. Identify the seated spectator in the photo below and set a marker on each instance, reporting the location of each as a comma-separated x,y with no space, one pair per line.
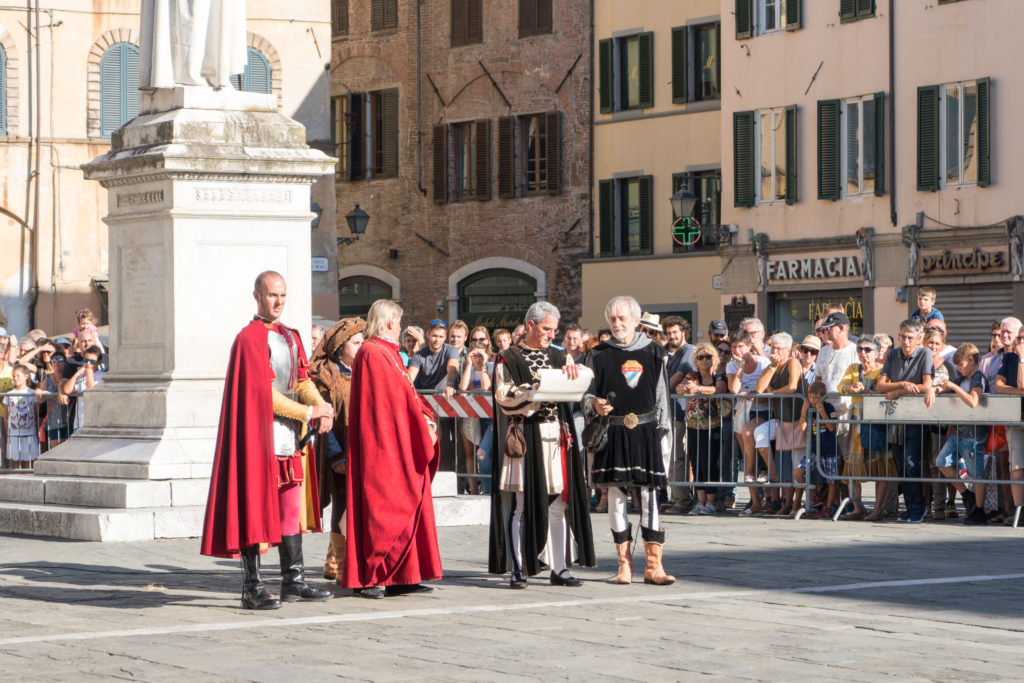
86,376
967,442
926,311
869,454
824,456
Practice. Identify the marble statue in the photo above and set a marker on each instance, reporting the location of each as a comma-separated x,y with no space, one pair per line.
191,42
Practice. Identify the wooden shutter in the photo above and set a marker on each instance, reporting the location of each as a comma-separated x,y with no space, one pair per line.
847,10
376,14
3,91
527,17
879,146
829,149
743,158
440,151
793,15
356,142
680,91
474,21
257,73
744,19
646,64
928,138
606,217
131,82
390,13
483,159
389,116
339,17
983,142
646,183
459,21
553,148
605,79
865,8
119,87
792,150
718,57
545,21
506,157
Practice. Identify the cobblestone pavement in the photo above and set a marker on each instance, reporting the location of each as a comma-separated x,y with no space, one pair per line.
756,599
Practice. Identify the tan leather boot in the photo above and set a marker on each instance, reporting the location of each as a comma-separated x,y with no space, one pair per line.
625,574
655,573
339,555
335,550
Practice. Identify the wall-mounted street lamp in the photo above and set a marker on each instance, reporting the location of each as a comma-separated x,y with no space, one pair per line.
357,220
683,202
318,212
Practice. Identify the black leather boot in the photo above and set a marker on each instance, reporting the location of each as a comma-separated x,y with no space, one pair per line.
293,587
254,593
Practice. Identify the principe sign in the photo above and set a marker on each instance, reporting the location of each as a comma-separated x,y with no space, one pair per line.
965,260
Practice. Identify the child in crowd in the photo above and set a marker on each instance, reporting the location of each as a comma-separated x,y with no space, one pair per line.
822,439
967,443
22,430
86,320
926,310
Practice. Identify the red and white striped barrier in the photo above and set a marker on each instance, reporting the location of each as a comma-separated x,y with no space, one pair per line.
460,405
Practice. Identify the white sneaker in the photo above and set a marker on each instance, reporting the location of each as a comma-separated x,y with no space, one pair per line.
709,509
697,509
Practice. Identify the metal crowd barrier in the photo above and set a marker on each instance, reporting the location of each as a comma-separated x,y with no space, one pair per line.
48,435
451,412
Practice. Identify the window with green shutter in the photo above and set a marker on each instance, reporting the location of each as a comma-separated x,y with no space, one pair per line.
744,19
960,126
606,217
829,143
605,82
928,138
636,64
680,91
792,177
984,134
646,69
743,158
879,143
794,13
119,87
855,10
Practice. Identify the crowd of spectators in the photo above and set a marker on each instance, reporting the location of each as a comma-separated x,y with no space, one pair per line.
42,380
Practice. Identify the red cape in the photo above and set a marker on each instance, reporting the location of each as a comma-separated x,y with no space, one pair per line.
242,506
392,537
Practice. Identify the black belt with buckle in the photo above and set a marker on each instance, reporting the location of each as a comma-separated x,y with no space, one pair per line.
632,420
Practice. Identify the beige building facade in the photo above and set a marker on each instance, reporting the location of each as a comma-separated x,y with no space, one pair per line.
657,100
870,150
68,78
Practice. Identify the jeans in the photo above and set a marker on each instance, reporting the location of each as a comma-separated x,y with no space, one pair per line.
908,463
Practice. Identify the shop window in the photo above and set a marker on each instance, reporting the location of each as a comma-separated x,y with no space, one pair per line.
625,212
953,135
765,156
758,17
496,298
356,294
383,14
119,87
695,60
352,114
339,17
530,155
797,312
534,17
854,10
467,22
851,147
626,72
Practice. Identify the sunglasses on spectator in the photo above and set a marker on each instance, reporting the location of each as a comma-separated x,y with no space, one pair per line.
865,349
479,339
439,322
806,349
704,357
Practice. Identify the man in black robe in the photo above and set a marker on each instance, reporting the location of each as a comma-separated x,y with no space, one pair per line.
538,501
632,368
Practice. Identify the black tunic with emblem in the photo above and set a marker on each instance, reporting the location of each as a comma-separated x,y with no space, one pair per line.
633,456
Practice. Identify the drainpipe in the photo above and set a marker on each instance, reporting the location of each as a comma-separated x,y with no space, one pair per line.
590,145
419,103
37,144
892,115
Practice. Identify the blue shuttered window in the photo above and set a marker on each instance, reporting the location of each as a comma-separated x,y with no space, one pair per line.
119,87
256,77
3,91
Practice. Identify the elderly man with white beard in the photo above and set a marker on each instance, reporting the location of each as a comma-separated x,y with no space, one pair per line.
629,391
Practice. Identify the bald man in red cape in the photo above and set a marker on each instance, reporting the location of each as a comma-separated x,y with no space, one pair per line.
393,455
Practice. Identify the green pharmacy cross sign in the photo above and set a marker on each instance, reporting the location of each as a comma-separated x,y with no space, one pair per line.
686,231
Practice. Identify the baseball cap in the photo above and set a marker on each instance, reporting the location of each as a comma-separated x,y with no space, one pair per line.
718,327
811,342
834,319
62,340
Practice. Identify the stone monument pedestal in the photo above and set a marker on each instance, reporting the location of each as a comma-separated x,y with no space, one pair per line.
205,190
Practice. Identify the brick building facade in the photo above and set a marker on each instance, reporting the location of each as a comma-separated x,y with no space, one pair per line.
463,129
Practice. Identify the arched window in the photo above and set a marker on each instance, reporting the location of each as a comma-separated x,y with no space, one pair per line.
496,298
355,294
119,87
256,77
3,91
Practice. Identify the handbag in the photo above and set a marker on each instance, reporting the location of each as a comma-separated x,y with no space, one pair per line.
595,434
515,437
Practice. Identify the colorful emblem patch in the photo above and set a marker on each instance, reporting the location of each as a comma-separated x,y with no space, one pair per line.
632,370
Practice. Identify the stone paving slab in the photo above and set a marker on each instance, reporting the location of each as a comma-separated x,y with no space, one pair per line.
755,599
